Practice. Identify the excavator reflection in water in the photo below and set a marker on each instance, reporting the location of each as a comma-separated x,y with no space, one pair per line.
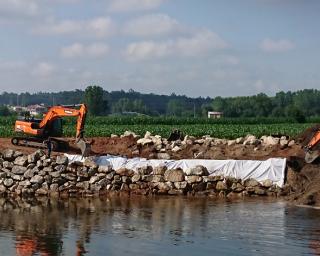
35,131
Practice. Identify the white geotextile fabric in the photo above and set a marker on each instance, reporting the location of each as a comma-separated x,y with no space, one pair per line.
272,169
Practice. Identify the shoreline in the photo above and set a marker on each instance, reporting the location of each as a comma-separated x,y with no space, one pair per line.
36,175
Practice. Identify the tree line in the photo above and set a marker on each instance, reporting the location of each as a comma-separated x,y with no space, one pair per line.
299,104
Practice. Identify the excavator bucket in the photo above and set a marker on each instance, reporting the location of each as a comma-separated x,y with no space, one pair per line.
84,146
311,155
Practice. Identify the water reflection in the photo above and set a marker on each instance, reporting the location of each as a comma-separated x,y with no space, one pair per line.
155,226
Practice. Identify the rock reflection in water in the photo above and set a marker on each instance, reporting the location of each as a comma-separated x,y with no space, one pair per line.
152,226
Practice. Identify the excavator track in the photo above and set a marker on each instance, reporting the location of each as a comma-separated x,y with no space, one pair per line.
57,145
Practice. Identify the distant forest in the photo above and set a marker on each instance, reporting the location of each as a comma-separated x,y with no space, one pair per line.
299,104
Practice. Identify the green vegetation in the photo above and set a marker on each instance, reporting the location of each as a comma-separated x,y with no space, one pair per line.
220,128
297,105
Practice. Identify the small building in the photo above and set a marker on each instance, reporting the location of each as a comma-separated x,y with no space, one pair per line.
37,109
215,114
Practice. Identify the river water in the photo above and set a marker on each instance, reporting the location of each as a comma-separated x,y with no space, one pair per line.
157,226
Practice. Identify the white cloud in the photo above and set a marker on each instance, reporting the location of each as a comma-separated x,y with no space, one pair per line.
152,25
282,45
97,27
18,7
79,50
43,69
198,44
133,5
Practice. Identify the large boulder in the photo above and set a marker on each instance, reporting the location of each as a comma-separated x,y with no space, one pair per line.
271,141
63,160
197,170
144,170
21,161
174,175
19,170
144,141
125,172
8,155
34,157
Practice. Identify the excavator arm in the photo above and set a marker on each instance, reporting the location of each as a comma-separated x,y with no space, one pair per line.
63,111
311,153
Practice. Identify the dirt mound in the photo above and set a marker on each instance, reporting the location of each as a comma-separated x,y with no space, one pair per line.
303,181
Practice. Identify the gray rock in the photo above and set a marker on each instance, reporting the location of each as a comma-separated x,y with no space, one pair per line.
17,177
164,186
135,178
144,141
198,170
193,179
159,170
157,178
17,154
90,162
37,179
3,175
34,157
134,186
267,183
55,174
105,169
25,183
92,172
270,141
259,191
18,169
60,168
164,156
8,154
110,175
291,143
8,182
30,173
41,191
21,161
7,165
62,160
221,186
174,175
181,185
3,189
144,170
125,172
94,179
54,187
251,183
83,185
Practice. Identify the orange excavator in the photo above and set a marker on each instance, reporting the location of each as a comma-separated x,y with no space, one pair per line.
36,131
311,152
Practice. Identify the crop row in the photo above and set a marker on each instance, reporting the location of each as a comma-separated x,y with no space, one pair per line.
166,120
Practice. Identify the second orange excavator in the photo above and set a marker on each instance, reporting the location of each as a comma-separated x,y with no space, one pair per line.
35,131
311,152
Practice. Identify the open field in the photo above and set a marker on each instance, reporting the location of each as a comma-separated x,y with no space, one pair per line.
222,128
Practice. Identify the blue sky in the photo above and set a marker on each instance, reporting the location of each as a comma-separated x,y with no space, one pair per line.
197,48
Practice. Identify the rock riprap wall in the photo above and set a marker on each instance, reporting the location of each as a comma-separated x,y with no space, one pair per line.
35,174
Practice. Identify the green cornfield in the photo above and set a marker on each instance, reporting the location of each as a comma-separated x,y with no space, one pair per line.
219,128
